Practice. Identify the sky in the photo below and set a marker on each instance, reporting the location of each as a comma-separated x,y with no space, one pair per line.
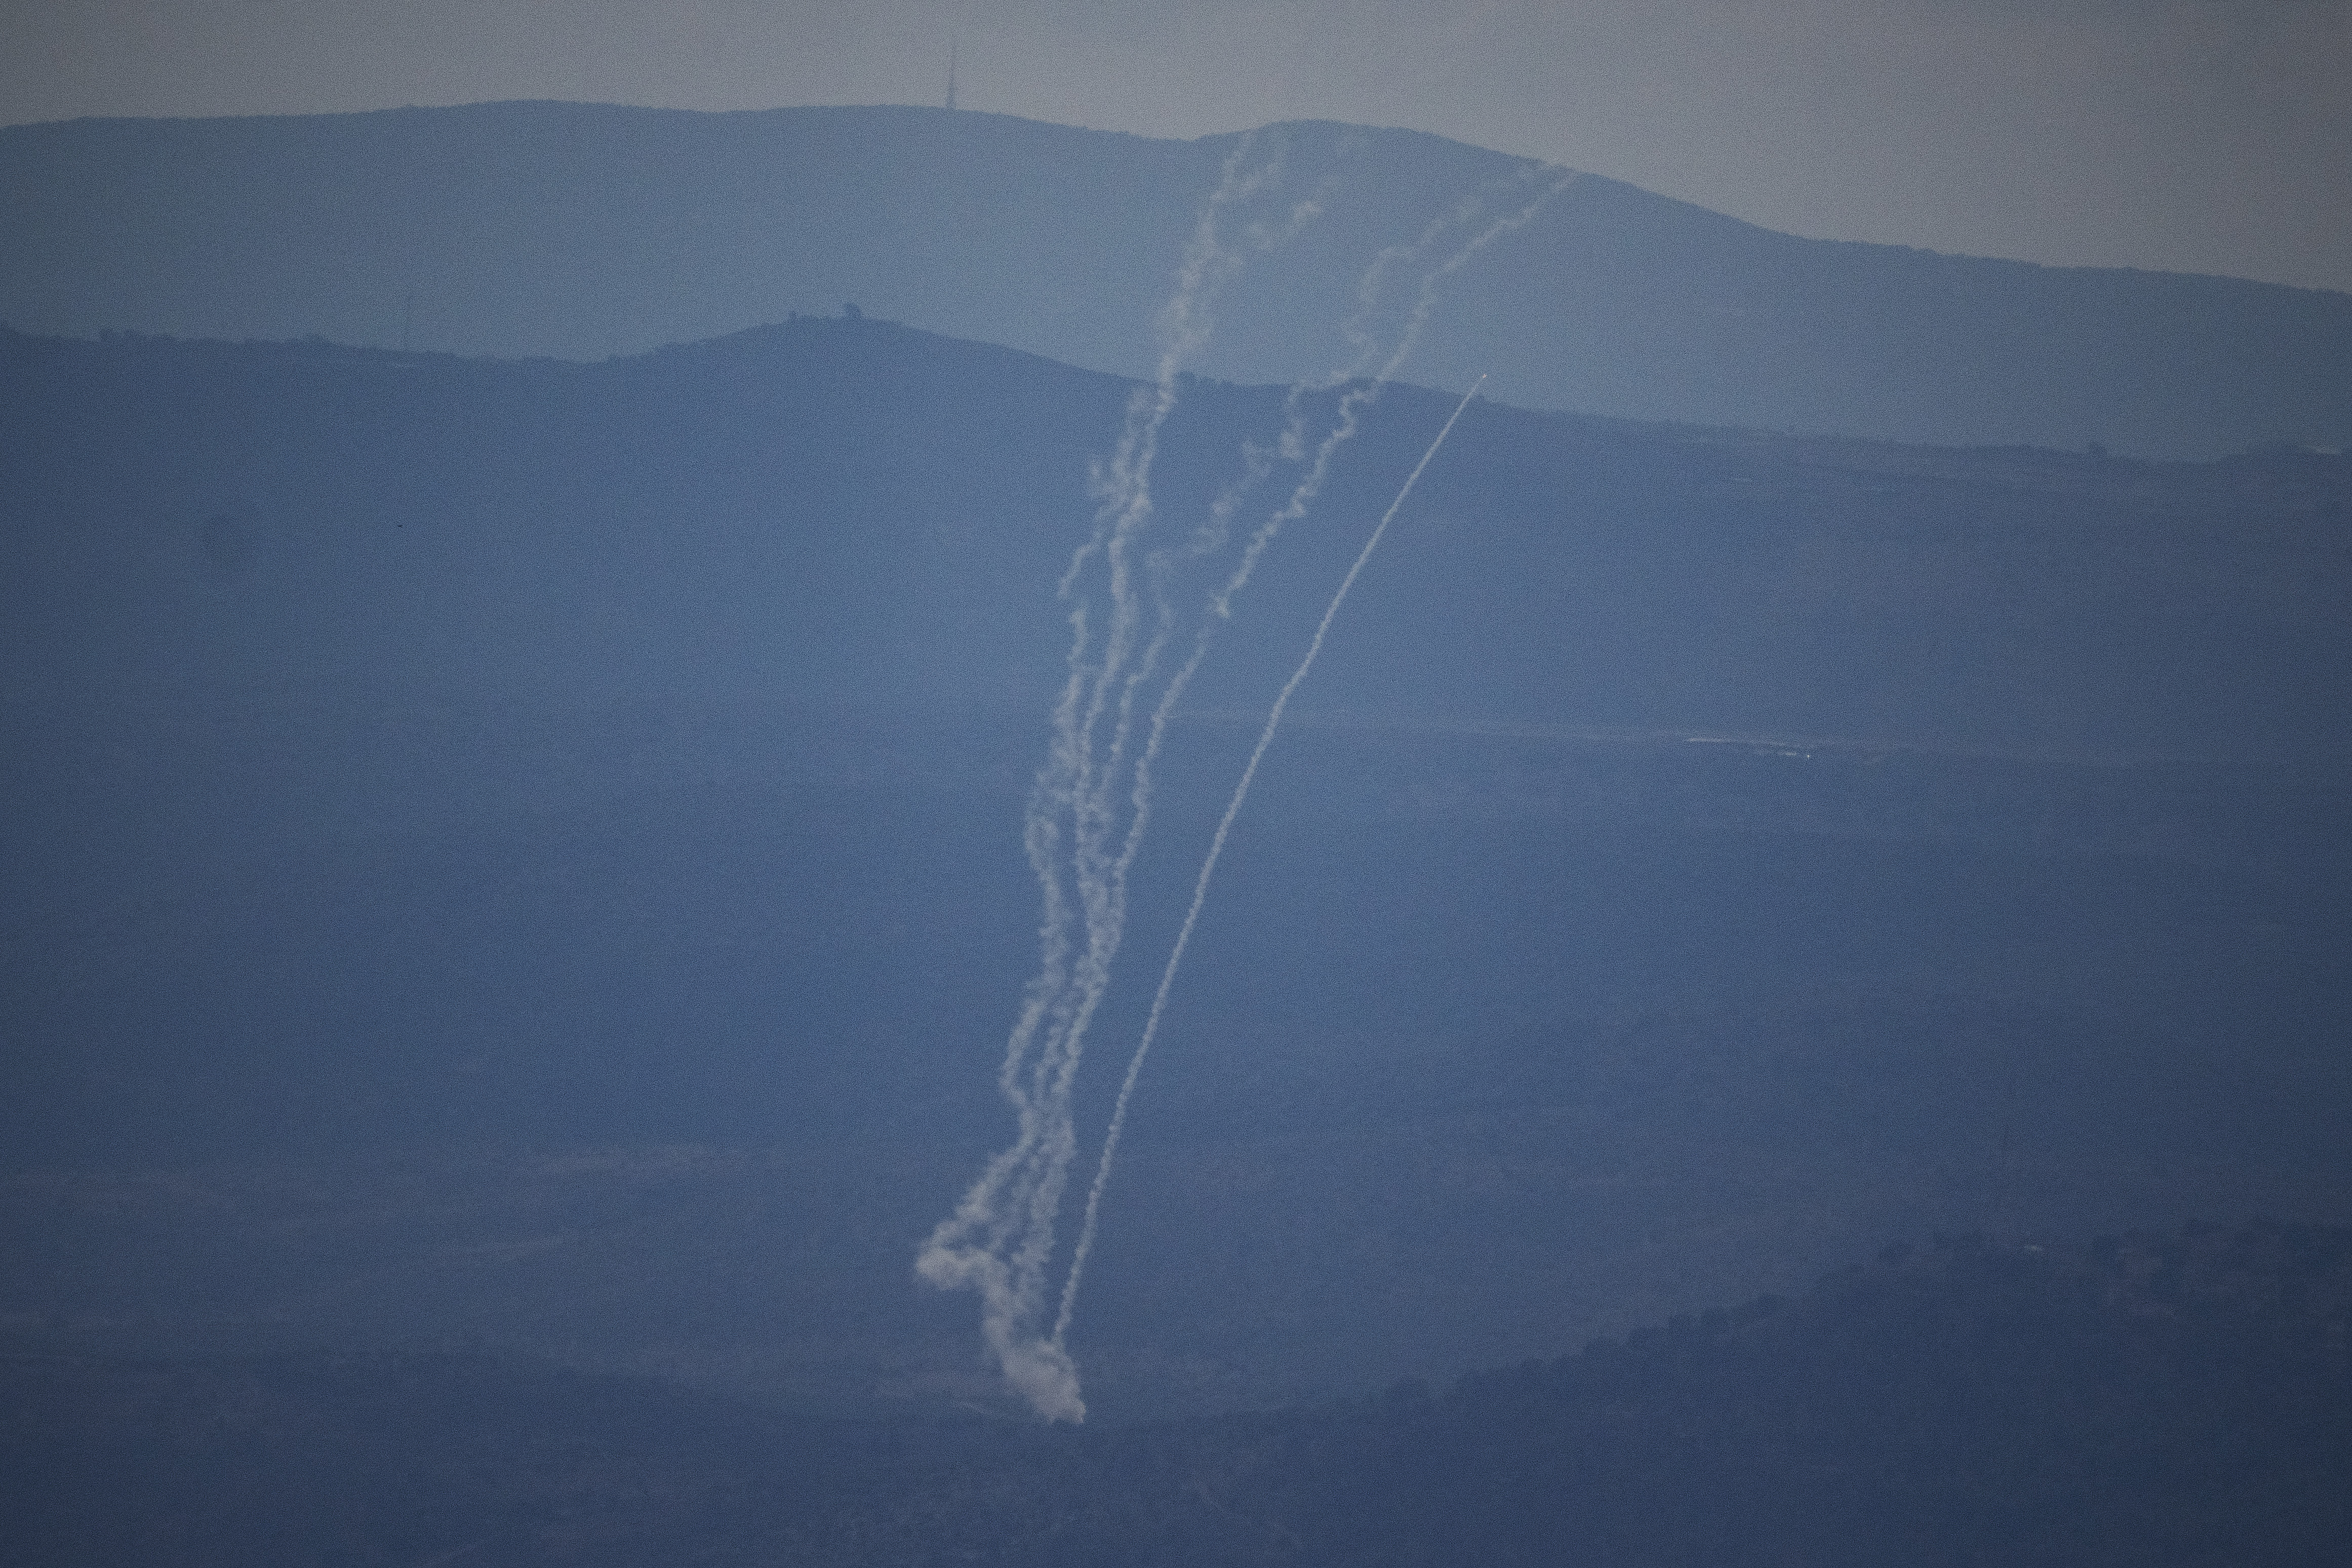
2185,135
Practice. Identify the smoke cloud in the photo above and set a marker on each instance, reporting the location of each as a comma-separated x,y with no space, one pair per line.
1091,803
1000,1238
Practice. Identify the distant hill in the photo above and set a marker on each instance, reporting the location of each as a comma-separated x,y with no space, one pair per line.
583,231
2182,1398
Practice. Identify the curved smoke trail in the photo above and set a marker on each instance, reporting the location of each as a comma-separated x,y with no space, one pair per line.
1000,1236
1209,868
1344,428
1292,442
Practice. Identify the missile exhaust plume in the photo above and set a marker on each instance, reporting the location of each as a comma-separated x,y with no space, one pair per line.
1302,496
1000,1238
1293,443
1208,869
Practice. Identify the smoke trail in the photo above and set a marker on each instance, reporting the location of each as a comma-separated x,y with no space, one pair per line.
1293,443
1208,869
1303,495
1353,403
1000,1236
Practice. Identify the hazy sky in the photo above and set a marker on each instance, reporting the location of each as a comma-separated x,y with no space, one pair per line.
2189,134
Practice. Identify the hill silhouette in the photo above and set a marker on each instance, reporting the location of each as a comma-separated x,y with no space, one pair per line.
583,231
2177,1398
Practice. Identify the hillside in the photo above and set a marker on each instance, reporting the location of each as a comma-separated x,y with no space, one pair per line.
528,853
583,231
2180,1398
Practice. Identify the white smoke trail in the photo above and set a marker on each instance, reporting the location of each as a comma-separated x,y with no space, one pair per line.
1311,486
1352,403
1093,808
1208,869
1293,443
1000,1236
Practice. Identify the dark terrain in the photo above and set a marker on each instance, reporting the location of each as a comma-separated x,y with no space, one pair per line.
525,856
2183,1398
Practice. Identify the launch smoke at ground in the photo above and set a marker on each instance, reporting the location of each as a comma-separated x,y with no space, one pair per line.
1000,1240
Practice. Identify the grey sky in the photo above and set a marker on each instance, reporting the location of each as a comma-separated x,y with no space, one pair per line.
2182,134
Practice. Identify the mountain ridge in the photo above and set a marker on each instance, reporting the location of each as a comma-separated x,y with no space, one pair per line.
588,230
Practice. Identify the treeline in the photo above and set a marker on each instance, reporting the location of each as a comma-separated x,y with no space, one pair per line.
2182,1399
